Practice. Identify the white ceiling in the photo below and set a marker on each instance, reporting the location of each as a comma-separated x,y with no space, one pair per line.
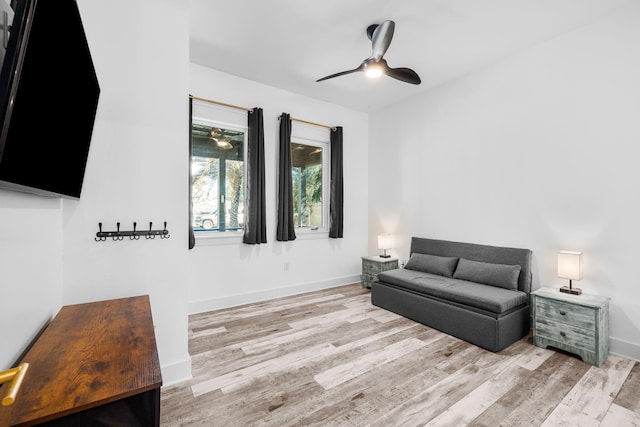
290,44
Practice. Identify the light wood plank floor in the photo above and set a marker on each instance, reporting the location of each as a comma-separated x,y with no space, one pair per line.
330,358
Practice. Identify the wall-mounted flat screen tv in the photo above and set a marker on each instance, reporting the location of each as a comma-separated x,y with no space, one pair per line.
48,97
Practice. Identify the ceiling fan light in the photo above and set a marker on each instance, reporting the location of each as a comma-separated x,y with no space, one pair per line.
223,144
373,72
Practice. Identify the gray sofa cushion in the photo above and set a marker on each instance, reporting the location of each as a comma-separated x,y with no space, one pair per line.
443,266
501,275
482,253
485,297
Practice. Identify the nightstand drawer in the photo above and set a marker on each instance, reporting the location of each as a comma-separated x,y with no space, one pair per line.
576,315
566,334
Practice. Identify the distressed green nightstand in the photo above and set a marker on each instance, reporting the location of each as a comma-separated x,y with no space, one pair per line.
578,324
372,265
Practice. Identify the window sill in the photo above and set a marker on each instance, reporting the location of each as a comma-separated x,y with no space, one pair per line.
308,234
214,238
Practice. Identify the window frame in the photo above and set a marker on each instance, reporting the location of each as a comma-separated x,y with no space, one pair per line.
309,232
220,236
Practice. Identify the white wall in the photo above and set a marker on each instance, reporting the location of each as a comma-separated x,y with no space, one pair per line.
222,275
539,151
137,169
30,269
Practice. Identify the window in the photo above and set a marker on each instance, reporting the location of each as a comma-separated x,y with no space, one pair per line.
217,176
309,173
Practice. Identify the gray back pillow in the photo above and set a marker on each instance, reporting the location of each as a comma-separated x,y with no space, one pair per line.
500,275
440,265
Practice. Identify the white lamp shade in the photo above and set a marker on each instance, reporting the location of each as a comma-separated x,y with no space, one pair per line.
570,265
385,241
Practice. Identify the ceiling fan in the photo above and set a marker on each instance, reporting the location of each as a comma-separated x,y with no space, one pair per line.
375,65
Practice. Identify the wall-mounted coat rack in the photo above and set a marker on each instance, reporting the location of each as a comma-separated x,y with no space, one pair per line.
134,234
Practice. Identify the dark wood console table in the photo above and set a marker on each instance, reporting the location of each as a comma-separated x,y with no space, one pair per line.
94,364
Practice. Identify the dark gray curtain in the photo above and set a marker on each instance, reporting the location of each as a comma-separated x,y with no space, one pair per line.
255,219
286,229
192,237
336,207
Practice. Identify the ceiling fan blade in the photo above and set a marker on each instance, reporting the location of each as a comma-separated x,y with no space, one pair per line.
342,73
406,75
370,30
381,39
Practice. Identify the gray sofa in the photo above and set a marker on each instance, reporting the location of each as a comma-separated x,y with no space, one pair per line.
478,293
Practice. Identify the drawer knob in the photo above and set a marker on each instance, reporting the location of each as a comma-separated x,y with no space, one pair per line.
562,312
563,334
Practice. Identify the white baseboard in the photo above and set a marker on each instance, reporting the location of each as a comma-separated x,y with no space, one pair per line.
196,307
176,372
624,348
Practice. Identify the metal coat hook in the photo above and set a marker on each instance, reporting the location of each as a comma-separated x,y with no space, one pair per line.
150,235
134,234
117,236
99,237
165,234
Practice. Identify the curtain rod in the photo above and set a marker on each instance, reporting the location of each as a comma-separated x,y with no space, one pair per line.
312,123
220,103
309,123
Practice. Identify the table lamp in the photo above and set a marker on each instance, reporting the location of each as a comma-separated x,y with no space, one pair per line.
385,241
570,267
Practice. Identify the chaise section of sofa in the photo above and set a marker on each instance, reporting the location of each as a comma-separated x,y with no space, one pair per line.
478,293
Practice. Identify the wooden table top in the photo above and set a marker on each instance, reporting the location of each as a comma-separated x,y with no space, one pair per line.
89,355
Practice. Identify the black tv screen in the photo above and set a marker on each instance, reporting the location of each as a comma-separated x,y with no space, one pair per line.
48,100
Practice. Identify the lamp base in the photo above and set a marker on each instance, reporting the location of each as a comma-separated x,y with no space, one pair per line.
573,291
385,256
